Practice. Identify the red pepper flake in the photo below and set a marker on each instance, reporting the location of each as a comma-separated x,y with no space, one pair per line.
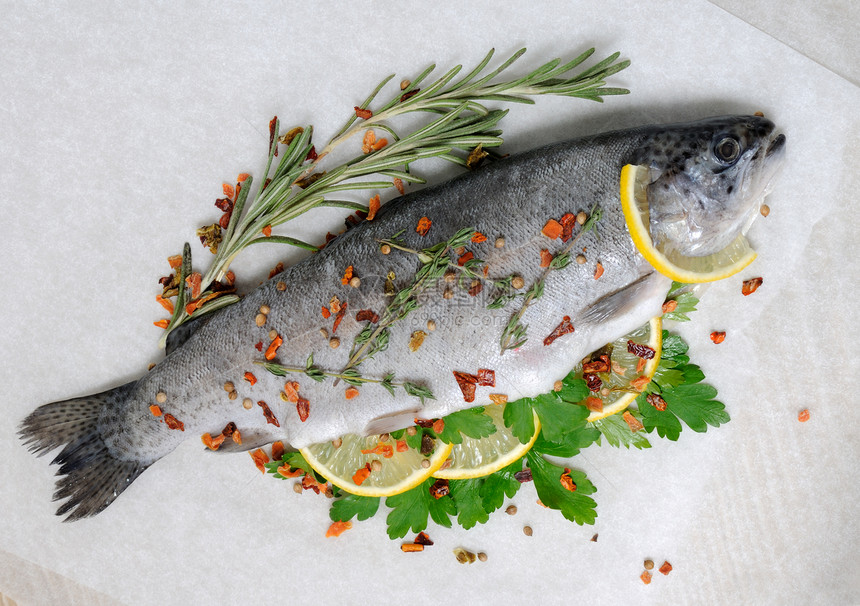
476,287
351,392
593,382
552,229
272,349
639,383
175,261
364,114
303,407
194,281
594,404
267,412
361,475
276,270
545,258
212,443
670,306
467,384
666,568
325,312
439,426
564,328
228,190
656,401
162,324
425,423
173,423
411,547
242,177
339,317
718,336
593,366
598,270
465,258
478,237
803,415
259,346
224,221
567,481
486,270
398,183
273,124
328,238
422,539
267,231
155,409
373,207
250,378
291,388
260,459
423,226
367,315
237,437
568,220
229,430
402,446
646,577
486,377
386,450
310,483
642,351
409,95
439,489
229,278
312,154
632,422
337,528
750,286
277,450
288,472
347,275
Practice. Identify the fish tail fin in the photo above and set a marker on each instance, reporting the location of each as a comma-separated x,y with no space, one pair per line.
91,478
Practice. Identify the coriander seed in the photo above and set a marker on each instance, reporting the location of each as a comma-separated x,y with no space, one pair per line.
248,403
260,320
580,259
281,286
425,463
334,342
511,510
448,294
411,431
765,210
431,325
324,333
232,395
355,282
228,386
161,397
375,465
527,530
450,276
385,249
264,309
273,334
337,443
649,564
581,217
384,437
404,84
482,556
518,282
500,242
557,386
297,487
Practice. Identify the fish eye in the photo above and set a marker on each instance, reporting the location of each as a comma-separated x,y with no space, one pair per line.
727,150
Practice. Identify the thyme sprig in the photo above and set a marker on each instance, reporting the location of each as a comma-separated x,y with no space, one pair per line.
350,376
294,185
515,332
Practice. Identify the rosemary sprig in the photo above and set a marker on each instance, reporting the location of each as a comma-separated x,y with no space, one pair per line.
293,186
350,376
514,333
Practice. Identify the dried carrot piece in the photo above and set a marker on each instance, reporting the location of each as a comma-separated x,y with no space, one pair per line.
175,261
242,177
373,207
347,275
272,349
803,415
155,409
165,303
379,144
423,226
310,483
646,577
162,323
386,450
326,313
361,475
718,336
288,472
478,237
267,231
250,378
402,446
498,398
465,258
552,229
594,404
567,481
598,270
260,459
398,183
368,141
212,443
364,114
277,450
228,190
194,281
411,547
639,383
670,306
337,528
632,422
237,437
351,392
291,389
666,568
545,258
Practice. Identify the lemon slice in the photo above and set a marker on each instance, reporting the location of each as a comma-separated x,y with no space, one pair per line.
478,457
400,472
621,392
634,203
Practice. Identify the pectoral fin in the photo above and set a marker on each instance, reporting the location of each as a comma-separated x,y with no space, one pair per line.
650,290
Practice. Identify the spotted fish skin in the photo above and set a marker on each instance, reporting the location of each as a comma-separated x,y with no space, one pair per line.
118,436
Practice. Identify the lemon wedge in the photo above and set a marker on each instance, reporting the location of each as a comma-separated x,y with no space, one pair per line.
478,457
399,471
634,203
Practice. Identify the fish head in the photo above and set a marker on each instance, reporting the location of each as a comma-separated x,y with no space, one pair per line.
708,180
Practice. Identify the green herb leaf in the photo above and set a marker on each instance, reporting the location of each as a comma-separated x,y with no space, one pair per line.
686,303
519,418
350,506
471,422
499,485
467,499
617,432
570,443
410,510
576,506
558,417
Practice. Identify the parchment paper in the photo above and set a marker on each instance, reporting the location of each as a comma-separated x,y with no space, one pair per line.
118,126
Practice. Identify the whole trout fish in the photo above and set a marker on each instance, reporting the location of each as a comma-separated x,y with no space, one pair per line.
708,180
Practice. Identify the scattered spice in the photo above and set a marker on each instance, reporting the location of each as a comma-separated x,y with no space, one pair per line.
465,258
639,383
351,392
155,409
670,306
398,183
564,328
364,114
325,312
165,303
310,483
545,258
247,403
593,382
385,249
334,342
467,384
210,443
666,568
162,323
475,288
422,539
416,340
347,275
642,351
568,220
649,564
527,530
439,426
367,315
288,137
267,412
277,450
291,389
355,282
267,231
339,317
552,229
764,210
632,421
402,446
194,281
567,481
303,407
580,259
281,286
337,528
478,237
423,226
499,243
718,336
175,261
646,577
250,378
803,415
464,556
581,217
558,386
600,365
523,476
361,474
161,397
750,286
498,398
260,320
482,556
486,377
594,404
411,547
511,510
476,156
439,489
386,450
373,207
598,270
656,401
279,268
173,423
594,538
431,325
260,459
427,448
272,349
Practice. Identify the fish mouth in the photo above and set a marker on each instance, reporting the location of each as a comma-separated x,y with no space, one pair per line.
776,146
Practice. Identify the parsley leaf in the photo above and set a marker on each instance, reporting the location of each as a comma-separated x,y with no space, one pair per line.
558,417
498,485
686,303
351,505
471,422
411,509
695,406
573,389
673,345
576,506
467,498
570,443
618,433
519,417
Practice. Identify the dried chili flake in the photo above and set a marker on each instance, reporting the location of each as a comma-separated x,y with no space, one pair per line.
288,137
250,378
401,446
367,315
411,547
475,288
467,384
155,409
666,568
259,346
276,270
593,366
277,450
398,183
162,323
229,430
439,425
339,317
426,423
567,481
598,270
228,190
351,392
409,95
750,286
303,407
267,231
422,539
212,443
639,383
224,221
288,472
552,229
337,528
272,349
267,412
165,303
718,336
632,422
334,305
564,328
523,476
642,351
325,313
486,377
593,382
498,398
386,450
347,275
291,388
545,258
594,404
173,423
478,237
364,114
194,282
175,261
312,154
465,258
670,306
803,415
646,577
328,238
273,124
423,226
568,220
260,459
373,207
439,489
310,483
656,401
361,475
